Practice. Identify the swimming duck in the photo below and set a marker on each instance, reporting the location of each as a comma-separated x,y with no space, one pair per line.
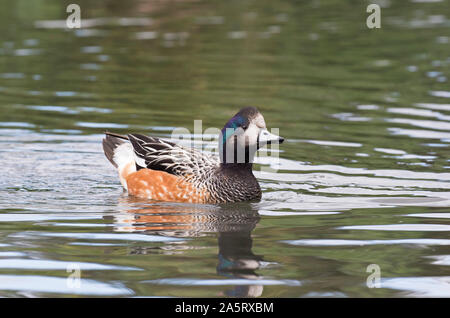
157,169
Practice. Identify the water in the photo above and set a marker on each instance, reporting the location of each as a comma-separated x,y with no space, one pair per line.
362,179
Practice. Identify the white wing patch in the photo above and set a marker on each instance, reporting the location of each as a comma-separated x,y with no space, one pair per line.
124,158
123,155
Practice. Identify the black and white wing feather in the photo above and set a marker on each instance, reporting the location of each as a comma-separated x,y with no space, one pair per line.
158,154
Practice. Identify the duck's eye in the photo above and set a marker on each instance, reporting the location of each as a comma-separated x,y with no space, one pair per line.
244,126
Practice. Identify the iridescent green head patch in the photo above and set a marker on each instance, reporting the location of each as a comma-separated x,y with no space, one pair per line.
241,119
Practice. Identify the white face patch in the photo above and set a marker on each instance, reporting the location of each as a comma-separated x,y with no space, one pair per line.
259,121
242,145
250,136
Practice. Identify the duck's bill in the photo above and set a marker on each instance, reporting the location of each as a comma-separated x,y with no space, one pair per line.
266,138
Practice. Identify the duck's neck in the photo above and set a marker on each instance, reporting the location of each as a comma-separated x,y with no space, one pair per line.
236,182
235,156
237,166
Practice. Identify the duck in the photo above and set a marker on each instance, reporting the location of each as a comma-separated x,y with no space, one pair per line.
157,169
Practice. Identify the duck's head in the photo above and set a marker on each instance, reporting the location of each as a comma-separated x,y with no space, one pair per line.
243,135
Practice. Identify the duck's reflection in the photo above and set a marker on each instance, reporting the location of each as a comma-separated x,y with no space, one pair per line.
233,223
236,260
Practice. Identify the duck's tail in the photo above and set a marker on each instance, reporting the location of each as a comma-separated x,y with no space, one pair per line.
121,154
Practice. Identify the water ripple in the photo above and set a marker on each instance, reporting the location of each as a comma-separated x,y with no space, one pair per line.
441,260
221,282
340,242
58,285
420,286
43,264
430,215
399,227
110,236
30,217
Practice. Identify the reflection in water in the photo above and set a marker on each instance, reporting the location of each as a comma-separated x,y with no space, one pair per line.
234,224
236,260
